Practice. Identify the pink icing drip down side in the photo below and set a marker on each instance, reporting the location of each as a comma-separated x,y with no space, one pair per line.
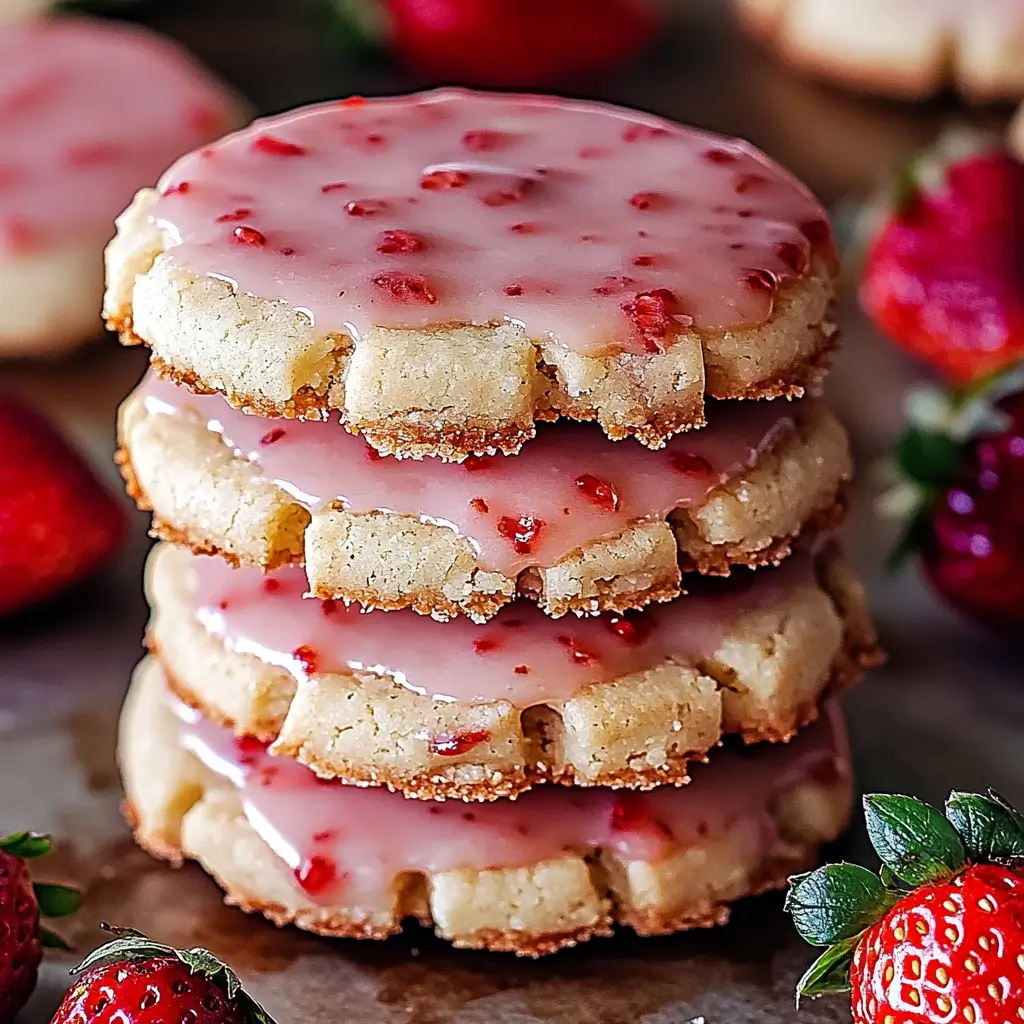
521,655
346,842
89,112
571,480
595,226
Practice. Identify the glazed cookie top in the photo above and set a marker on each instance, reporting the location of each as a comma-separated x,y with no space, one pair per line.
88,111
599,228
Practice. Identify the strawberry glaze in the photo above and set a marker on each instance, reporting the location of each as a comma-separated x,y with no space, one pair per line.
88,113
521,655
574,219
571,479
357,841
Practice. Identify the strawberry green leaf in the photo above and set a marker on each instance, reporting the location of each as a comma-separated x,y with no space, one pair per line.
991,829
26,845
913,840
129,945
928,457
891,882
57,900
51,940
836,902
829,973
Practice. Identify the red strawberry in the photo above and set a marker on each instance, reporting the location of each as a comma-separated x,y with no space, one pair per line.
944,277
963,461
518,43
21,938
133,980
938,937
57,523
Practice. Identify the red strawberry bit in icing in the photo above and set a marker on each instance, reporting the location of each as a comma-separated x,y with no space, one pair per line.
276,147
316,875
652,314
598,492
365,207
307,658
522,670
240,213
452,744
333,186
246,235
395,242
375,836
320,463
464,158
479,505
483,141
431,657
436,180
271,585
272,435
522,531
89,111
631,627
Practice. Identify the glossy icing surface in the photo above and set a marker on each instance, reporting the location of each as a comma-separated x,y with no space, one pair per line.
89,112
344,842
521,655
599,227
569,486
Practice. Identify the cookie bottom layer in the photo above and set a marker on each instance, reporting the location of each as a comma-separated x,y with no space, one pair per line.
182,809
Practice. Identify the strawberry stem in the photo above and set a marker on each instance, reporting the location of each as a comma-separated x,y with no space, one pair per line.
26,845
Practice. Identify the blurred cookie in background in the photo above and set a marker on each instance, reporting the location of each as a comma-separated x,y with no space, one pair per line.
89,111
909,49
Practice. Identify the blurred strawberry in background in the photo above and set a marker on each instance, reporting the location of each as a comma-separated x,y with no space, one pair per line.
944,271
516,44
58,523
961,489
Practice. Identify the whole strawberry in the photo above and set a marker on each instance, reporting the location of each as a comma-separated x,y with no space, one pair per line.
133,980
962,463
526,44
21,902
938,937
57,522
944,275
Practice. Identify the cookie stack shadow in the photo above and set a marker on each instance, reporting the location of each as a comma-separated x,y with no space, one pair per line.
509,677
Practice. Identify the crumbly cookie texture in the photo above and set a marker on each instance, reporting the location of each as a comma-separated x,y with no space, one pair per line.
446,390
775,663
905,48
207,498
180,809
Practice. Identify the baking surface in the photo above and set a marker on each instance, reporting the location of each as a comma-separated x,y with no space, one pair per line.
948,710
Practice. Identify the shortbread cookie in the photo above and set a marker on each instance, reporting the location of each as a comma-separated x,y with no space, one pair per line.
442,270
575,522
481,712
88,111
534,875
905,48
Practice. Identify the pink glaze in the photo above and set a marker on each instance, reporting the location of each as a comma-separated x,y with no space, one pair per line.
485,498
344,843
89,112
521,655
460,206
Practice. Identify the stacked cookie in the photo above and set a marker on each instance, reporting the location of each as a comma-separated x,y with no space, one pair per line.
459,658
